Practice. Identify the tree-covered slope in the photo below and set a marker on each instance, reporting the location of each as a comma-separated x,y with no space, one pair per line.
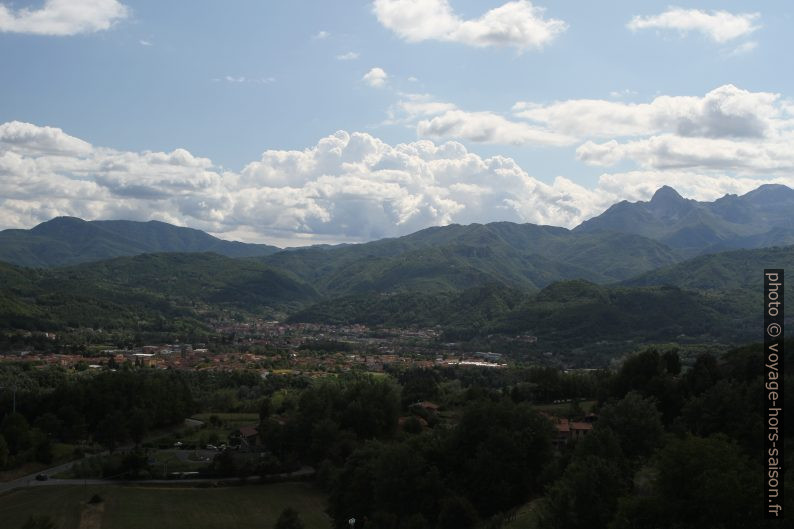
725,271
145,290
455,257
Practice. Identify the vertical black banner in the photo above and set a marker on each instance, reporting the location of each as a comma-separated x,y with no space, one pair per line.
773,394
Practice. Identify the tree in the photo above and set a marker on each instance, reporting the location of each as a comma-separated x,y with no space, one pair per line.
138,425
637,423
16,430
586,495
672,362
289,519
699,483
703,374
111,431
497,454
265,409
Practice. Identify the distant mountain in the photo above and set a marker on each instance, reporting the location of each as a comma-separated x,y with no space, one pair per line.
763,217
69,240
455,258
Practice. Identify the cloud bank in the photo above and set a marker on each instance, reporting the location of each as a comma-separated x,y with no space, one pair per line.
347,187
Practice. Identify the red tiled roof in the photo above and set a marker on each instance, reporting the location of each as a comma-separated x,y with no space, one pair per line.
248,431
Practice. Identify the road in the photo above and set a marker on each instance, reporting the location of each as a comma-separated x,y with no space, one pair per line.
26,481
30,481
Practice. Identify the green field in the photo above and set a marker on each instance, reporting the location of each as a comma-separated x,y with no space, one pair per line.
144,507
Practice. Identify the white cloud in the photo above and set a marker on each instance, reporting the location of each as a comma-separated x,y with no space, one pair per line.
145,43
28,139
668,151
63,17
487,127
320,35
349,56
726,111
444,120
375,77
516,24
414,106
719,26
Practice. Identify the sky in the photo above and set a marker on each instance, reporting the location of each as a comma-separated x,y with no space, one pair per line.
303,122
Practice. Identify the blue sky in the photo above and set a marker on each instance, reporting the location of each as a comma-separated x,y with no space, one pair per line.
222,115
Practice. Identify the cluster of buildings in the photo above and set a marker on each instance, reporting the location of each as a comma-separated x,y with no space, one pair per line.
272,346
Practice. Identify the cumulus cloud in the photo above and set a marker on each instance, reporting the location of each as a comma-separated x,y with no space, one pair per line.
63,17
719,26
28,139
349,56
517,24
728,129
320,35
375,77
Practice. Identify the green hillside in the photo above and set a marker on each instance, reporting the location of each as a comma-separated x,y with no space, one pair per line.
152,291
455,257
735,270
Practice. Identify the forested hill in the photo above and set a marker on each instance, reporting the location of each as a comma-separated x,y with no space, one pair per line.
455,257
152,291
735,270
69,240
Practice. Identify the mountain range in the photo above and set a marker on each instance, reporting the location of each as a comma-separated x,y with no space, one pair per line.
762,217
641,235
654,270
